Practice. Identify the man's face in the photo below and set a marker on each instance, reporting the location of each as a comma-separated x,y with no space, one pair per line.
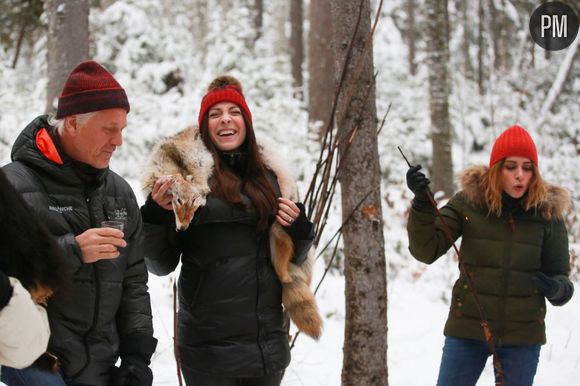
94,140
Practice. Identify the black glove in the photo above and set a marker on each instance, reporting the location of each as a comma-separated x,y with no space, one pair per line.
135,351
301,228
557,290
134,371
419,185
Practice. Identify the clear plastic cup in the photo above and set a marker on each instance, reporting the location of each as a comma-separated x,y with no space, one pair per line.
113,224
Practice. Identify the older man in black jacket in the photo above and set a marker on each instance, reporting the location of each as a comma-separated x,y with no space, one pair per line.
60,166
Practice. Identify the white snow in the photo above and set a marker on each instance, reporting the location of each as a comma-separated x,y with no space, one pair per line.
142,41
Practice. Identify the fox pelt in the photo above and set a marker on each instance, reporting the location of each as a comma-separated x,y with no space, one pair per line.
185,159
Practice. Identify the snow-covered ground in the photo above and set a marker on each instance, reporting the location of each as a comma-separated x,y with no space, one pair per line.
415,337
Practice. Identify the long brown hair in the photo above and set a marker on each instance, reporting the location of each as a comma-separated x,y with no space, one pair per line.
491,184
252,182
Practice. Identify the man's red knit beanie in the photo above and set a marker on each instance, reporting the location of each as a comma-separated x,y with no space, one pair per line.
90,87
513,142
224,89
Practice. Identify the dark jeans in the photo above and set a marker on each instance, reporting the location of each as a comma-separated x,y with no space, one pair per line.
193,378
463,361
32,376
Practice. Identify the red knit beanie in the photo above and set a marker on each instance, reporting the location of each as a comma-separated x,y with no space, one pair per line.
513,142
90,87
224,89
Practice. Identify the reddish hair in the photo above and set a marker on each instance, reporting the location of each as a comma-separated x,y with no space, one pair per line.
492,186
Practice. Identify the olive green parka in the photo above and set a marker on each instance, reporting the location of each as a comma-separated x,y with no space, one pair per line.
501,254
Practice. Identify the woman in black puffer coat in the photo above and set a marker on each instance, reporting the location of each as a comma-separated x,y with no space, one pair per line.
231,325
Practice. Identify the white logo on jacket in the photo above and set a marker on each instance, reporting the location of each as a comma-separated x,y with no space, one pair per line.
120,214
60,209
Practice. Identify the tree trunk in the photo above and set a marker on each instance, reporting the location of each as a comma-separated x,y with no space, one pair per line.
532,52
495,27
67,44
445,9
467,65
365,341
106,3
494,33
199,26
21,34
480,49
320,66
439,97
412,36
259,18
296,44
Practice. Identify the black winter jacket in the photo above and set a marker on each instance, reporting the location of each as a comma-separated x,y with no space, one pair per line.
106,311
230,315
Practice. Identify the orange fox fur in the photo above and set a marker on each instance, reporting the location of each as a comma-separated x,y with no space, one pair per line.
185,159
297,297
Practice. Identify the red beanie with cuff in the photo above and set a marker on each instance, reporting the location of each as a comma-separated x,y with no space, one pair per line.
513,142
231,92
90,87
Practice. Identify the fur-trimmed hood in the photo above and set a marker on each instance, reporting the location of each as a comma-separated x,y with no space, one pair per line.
556,204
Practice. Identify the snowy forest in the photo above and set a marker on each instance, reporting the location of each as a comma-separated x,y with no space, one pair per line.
338,85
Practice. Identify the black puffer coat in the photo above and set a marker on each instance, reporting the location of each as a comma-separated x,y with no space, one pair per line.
106,312
230,318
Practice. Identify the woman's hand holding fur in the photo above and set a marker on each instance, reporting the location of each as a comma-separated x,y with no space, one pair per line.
160,192
288,211
100,243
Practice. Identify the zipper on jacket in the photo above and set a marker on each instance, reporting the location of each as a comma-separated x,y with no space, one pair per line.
511,222
97,296
91,328
505,276
258,280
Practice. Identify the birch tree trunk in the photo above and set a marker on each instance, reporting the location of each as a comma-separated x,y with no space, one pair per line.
68,43
365,338
439,97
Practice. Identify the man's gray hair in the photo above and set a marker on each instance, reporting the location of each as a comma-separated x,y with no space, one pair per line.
58,124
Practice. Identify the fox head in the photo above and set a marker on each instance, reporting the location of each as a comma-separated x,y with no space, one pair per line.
184,211
185,201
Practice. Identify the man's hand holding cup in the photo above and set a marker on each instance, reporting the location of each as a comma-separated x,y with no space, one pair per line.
102,243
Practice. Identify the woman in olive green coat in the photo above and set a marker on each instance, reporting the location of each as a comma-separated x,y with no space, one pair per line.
515,250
